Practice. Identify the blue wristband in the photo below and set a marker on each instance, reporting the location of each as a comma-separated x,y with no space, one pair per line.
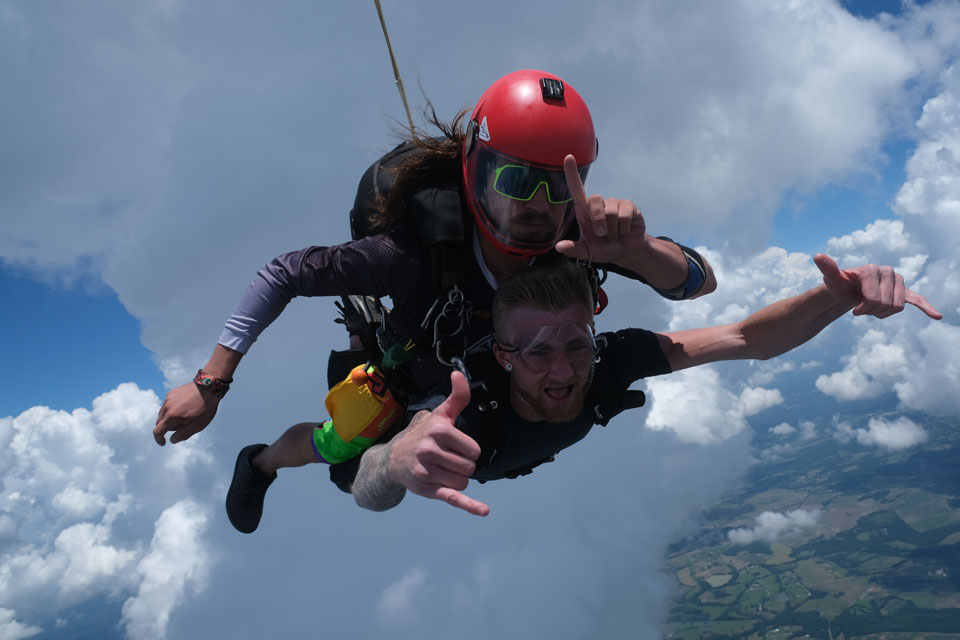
696,276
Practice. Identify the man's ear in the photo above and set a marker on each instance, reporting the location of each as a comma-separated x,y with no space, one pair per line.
502,356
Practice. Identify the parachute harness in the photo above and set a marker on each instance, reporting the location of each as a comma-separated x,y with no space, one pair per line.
449,327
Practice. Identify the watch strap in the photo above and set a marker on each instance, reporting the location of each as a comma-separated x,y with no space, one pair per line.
208,382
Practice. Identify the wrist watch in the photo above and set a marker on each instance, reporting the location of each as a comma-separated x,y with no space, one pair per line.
217,386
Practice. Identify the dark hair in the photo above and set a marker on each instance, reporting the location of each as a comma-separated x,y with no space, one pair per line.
437,164
551,286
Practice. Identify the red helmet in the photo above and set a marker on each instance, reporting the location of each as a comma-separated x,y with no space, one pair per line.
519,133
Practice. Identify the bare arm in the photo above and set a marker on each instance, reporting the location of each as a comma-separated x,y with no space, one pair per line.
786,324
769,332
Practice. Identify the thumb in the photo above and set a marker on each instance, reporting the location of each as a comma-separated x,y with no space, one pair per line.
576,250
458,399
828,267
838,282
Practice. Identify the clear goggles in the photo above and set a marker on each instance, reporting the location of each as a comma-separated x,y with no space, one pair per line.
538,348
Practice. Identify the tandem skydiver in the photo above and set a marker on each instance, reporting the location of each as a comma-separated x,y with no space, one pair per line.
562,379
503,173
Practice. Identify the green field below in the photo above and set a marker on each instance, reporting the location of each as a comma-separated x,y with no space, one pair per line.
885,565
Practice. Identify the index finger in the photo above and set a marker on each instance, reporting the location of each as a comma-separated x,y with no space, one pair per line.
162,426
575,184
923,304
158,433
461,501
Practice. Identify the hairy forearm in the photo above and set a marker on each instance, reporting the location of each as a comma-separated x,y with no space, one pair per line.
662,263
787,324
769,332
223,362
373,489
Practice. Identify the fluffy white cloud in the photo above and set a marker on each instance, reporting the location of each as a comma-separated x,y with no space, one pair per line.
177,563
894,435
396,603
882,241
910,354
748,284
829,102
782,429
921,367
170,174
11,629
772,526
871,370
764,371
808,430
933,378
67,483
695,405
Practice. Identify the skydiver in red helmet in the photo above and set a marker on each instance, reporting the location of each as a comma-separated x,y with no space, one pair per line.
514,169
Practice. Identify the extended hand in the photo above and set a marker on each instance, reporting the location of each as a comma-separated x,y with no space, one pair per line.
877,291
186,410
434,459
611,229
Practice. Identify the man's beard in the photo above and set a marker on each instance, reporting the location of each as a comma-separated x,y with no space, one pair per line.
553,413
533,227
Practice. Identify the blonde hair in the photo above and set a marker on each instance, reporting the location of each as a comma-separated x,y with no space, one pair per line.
545,287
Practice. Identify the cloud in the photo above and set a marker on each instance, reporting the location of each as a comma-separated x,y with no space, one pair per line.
782,429
881,241
177,563
67,507
909,354
767,371
808,430
920,367
11,629
749,283
396,603
752,102
696,407
894,435
773,526
870,370
205,139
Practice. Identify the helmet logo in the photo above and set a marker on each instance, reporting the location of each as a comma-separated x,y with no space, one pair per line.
484,131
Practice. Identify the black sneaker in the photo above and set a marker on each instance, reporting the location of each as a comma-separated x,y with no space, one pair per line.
249,486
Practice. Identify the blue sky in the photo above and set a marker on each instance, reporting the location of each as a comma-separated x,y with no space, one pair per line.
63,345
156,156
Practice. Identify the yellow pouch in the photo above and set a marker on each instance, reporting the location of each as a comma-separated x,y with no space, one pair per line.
361,405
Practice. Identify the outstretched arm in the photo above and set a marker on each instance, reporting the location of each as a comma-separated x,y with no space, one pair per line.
313,271
188,409
614,231
785,325
431,458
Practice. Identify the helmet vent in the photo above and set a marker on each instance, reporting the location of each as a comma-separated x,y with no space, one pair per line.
551,88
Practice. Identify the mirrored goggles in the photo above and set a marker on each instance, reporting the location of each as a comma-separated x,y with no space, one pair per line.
521,182
538,348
